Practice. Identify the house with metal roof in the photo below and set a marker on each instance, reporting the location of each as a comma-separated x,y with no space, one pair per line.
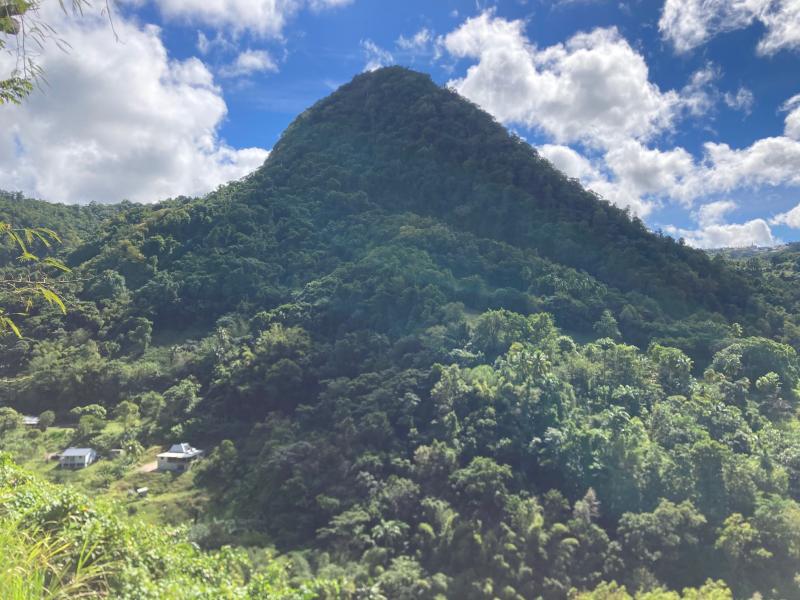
76,458
178,458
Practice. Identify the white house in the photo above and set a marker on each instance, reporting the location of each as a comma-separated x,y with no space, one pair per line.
30,421
76,458
178,458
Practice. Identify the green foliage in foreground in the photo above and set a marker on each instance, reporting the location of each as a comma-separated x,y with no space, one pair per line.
56,543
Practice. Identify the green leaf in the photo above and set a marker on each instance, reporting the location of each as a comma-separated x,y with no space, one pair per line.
52,262
50,233
53,298
6,323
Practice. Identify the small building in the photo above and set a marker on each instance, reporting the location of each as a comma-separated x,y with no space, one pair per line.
116,452
76,458
30,421
178,458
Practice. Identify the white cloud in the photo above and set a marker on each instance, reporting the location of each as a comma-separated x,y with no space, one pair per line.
792,106
713,213
249,62
650,171
623,192
417,42
790,218
219,42
569,161
265,18
594,88
700,95
203,43
714,232
769,161
691,23
326,4
376,56
118,120
734,235
742,100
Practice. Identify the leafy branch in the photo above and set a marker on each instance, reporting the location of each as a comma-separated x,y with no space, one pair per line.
36,283
19,21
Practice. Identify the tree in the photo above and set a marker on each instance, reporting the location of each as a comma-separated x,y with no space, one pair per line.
769,392
665,541
9,419
126,411
607,327
46,419
139,336
755,357
88,426
182,397
674,369
90,409
219,470
151,404
482,485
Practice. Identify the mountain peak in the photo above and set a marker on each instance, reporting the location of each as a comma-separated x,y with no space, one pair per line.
404,144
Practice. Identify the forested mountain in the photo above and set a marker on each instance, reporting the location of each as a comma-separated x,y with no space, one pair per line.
432,365
75,224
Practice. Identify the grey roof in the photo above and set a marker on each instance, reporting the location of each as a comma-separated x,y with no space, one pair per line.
77,452
180,448
29,420
183,450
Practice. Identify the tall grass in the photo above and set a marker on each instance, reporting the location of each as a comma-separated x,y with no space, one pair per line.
35,565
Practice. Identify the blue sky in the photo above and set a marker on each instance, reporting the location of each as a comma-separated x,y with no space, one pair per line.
686,111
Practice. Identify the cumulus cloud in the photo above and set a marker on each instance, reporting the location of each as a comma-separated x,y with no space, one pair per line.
266,18
792,106
594,91
768,161
594,88
376,56
790,218
625,192
734,235
714,232
649,170
249,62
569,161
713,213
691,23
118,120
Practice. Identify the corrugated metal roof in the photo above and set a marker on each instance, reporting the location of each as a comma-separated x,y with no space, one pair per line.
183,450
77,452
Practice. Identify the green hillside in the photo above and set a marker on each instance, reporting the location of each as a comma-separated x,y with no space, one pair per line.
425,362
